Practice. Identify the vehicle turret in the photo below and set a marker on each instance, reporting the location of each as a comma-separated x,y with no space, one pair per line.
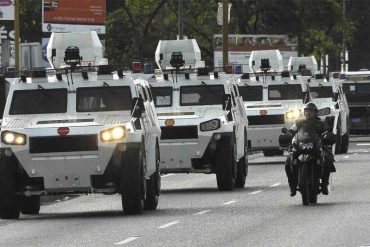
296,64
171,54
266,60
82,49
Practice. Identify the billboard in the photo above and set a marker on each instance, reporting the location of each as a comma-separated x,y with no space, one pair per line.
7,10
242,45
74,16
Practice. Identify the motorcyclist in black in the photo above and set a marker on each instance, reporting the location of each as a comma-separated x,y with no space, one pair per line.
311,119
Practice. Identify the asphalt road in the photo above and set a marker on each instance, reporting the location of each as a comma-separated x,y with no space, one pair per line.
192,212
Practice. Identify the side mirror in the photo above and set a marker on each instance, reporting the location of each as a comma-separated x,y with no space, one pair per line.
323,112
335,97
284,130
137,107
226,102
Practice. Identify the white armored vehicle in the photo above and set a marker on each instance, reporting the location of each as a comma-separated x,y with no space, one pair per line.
325,93
202,117
356,86
83,130
273,99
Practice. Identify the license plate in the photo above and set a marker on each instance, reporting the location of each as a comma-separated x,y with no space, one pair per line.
356,120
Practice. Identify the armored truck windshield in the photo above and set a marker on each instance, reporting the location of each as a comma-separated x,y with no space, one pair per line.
96,99
321,92
357,92
162,96
201,95
251,93
285,92
39,101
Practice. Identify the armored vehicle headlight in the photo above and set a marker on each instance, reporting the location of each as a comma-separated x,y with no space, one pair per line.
210,125
13,138
114,134
294,113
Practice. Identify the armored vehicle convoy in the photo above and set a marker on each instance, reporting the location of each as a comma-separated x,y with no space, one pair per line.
201,114
84,129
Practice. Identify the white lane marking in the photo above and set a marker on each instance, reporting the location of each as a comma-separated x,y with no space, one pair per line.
346,157
363,144
255,192
167,175
202,212
128,240
365,151
169,224
275,185
229,202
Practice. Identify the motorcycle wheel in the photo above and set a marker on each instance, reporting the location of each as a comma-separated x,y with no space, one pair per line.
305,192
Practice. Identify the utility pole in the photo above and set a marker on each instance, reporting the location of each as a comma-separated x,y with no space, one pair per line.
344,57
181,21
16,33
225,32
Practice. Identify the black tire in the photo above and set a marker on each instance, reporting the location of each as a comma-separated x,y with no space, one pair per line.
338,143
30,205
345,143
304,186
9,201
242,169
305,192
153,187
226,163
313,199
133,182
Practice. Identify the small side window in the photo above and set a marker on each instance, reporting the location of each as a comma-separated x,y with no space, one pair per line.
150,96
236,91
233,98
144,94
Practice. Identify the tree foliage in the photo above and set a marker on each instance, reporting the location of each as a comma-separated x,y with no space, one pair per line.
134,27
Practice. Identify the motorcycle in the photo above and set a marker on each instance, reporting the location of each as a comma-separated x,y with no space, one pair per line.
307,160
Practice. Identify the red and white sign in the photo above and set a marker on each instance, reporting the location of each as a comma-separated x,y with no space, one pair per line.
74,16
63,131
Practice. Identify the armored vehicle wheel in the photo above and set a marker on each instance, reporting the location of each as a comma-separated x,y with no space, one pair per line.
345,143
338,143
242,171
133,182
153,187
9,201
30,205
226,163
272,152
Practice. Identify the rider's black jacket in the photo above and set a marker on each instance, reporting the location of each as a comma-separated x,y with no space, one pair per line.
315,126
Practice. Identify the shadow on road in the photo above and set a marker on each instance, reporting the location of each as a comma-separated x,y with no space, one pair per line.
211,190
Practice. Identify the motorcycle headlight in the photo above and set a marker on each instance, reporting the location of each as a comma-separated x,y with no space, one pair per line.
13,138
305,146
294,113
113,134
210,125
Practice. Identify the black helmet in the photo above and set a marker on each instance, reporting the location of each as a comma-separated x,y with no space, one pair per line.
311,106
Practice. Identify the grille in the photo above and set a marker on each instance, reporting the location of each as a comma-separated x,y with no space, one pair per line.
179,132
358,111
58,144
265,120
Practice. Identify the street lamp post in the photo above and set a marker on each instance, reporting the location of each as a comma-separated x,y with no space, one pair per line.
16,33
225,32
181,22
